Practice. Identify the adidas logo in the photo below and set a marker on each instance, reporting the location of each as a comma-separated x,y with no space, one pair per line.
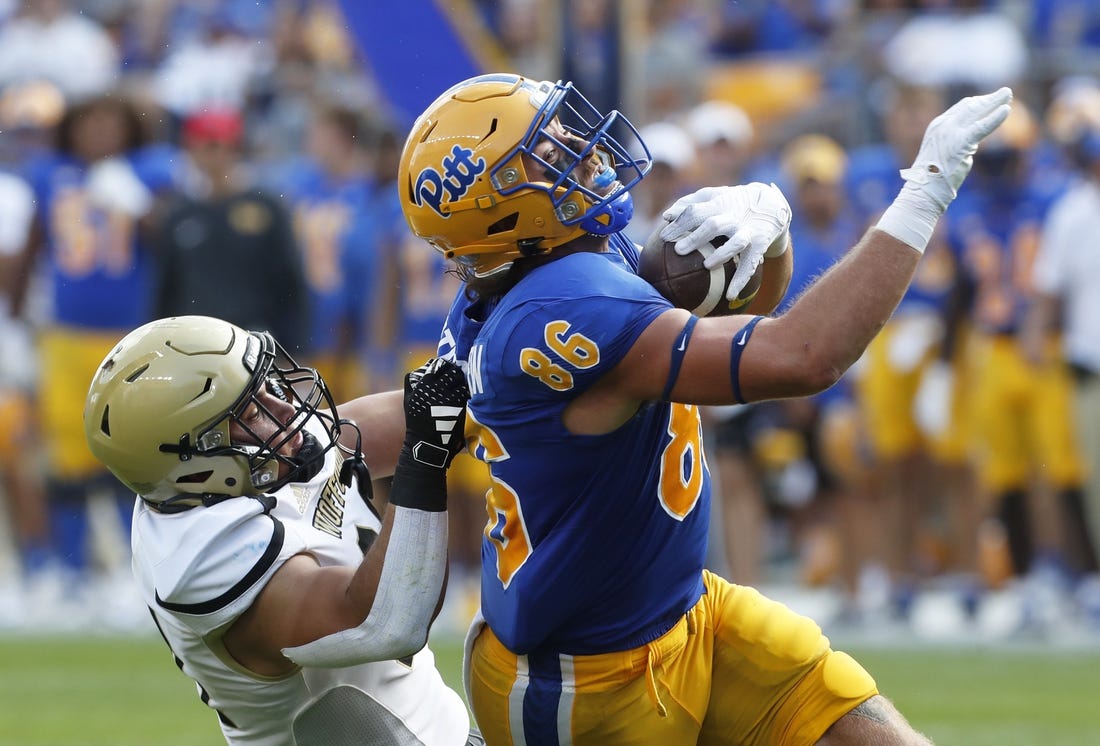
445,427
446,418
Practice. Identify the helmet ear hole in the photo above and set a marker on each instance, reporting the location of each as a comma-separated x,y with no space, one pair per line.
196,478
504,225
136,374
105,421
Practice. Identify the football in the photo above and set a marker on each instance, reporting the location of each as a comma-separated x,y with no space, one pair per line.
687,284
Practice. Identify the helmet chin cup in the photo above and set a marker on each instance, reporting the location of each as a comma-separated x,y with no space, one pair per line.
309,459
612,217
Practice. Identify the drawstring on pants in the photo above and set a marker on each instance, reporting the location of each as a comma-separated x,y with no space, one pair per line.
652,660
651,683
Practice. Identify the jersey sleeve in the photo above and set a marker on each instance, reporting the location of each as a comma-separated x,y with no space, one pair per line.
576,325
208,568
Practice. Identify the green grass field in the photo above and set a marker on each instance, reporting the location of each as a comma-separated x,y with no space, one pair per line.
111,692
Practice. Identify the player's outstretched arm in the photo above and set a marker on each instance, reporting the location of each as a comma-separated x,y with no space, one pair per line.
809,347
334,616
829,327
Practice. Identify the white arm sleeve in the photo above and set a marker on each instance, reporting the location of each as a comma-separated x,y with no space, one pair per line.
408,591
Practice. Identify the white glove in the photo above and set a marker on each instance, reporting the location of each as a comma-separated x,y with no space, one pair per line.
755,217
945,157
932,403
112,185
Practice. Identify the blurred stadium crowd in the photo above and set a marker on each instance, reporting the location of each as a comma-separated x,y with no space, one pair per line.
236,158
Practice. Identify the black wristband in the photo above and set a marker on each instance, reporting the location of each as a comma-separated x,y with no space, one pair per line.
418,486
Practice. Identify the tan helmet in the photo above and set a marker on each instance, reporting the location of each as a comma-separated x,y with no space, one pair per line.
160,405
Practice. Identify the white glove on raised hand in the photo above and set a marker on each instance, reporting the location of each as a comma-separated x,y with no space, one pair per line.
755,218
945,157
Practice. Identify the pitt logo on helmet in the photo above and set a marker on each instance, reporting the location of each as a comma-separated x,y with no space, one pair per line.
460,172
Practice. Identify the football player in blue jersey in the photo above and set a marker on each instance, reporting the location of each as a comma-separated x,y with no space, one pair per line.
600,624
97,193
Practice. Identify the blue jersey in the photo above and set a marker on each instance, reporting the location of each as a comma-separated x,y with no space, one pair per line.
995,230
99,268
594,543
339,251
426,284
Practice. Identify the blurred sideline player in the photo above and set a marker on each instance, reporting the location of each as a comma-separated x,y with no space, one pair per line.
222,220
912,468
381,217
724,140
1067,302
95,194
1027,454
601,624
837,541
21,489
327,194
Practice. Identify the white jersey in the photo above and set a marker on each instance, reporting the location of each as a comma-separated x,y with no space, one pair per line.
200,569
1067,266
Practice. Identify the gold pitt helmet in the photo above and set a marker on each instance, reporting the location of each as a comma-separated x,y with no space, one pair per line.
465,187
160,405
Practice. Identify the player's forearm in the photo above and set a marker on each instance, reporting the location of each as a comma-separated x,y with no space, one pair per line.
392,597
832,323
830,326
411,582
398,585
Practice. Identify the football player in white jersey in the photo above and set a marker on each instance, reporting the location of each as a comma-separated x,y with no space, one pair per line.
300,612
